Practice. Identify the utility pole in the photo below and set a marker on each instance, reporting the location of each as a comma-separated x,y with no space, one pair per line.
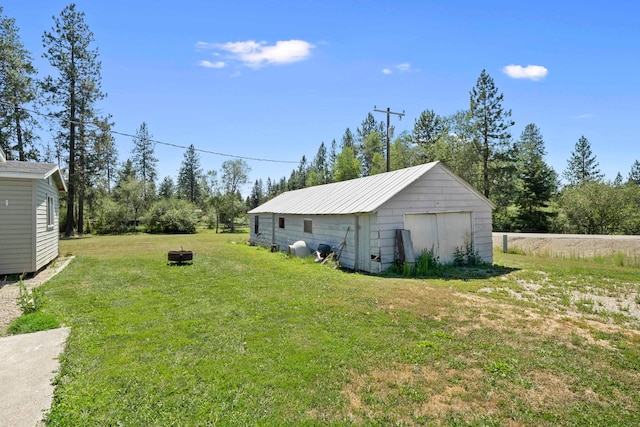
389,112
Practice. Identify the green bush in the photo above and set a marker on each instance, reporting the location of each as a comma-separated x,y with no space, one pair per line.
29,301
172,216
32,322
111,217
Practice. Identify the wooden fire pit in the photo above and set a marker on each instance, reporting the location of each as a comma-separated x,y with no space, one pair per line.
180,257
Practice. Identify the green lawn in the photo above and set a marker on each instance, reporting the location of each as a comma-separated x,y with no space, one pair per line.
247,337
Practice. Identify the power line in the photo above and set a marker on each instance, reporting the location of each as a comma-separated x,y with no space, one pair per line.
169,144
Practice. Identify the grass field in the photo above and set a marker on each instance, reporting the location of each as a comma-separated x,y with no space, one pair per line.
247,337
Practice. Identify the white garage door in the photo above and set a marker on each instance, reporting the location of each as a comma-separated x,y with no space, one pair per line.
443,232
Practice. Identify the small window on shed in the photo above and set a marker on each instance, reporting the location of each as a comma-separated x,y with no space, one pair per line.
307,226
256,224
50,213
281,222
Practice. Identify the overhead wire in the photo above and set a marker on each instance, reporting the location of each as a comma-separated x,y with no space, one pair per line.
201,150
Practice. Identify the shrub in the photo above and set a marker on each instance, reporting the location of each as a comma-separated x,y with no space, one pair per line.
427,263
111,217
29,301
172,216
32,322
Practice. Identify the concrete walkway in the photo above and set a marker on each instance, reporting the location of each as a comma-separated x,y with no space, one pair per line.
28,365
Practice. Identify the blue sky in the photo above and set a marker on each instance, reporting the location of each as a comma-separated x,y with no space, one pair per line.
274,79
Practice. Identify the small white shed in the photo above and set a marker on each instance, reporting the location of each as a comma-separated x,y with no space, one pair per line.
440,209
29,214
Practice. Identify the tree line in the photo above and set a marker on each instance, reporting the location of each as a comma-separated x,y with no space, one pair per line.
475,143
113,196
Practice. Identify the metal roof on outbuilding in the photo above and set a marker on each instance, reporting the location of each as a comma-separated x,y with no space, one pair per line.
359,195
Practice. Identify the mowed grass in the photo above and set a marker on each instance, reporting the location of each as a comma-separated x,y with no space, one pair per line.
247,337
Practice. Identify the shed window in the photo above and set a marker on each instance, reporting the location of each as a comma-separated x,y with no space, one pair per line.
50,213
256,224
281,222
307,226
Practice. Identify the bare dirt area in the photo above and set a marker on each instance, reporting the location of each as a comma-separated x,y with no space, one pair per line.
570,245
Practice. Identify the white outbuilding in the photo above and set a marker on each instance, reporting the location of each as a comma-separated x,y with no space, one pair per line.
29,214
360,217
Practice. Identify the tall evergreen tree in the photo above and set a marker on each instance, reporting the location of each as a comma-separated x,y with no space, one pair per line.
256,197
74,91
348,139
617,182
105,154
634,173
490,124
17,91
582,166
535,182
370,141
427,129
144,161
167,189
189,177
320,170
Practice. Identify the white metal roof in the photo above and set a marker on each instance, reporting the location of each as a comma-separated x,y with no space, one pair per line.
347,197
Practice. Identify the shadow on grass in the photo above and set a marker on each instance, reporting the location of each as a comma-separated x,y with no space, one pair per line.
451,272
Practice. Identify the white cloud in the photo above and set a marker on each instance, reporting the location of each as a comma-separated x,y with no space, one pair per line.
204,45
404,67
209,64
584,116
257,54
531,72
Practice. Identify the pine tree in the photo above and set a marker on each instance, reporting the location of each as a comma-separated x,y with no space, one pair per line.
535,182
166,190
256,196
74,91
634,174
490,123
105,154
189,177
17,92
144,161
370,142
582,166
319,171
427,129
348,140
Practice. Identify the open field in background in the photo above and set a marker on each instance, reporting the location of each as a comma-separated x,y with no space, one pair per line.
578,246
248,337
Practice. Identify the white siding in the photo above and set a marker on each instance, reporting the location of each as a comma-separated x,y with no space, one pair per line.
442,233
436,191
264,236
17,252
46,236
327,229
